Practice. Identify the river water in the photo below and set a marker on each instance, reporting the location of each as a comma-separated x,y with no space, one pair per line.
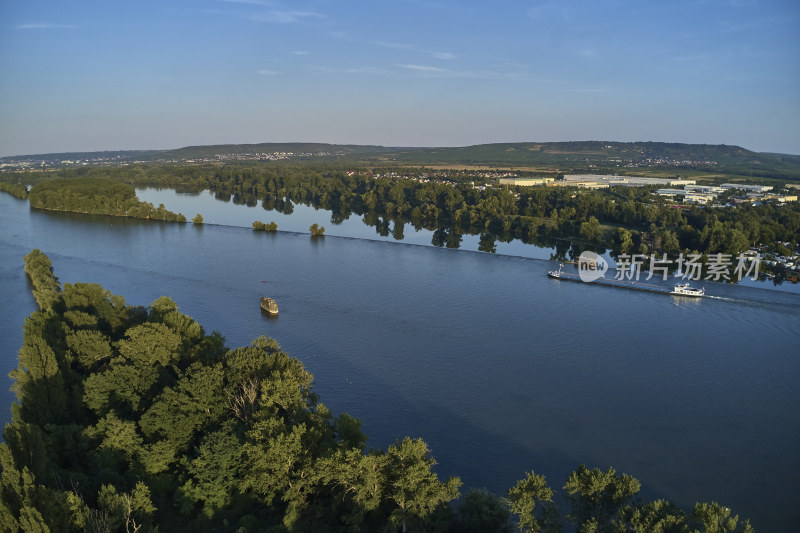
500,369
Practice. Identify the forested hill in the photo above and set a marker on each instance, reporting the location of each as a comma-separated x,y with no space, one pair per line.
297,149
536,153
607,154
581,155
135,419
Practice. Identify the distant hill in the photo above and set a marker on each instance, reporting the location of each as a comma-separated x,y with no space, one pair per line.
114,155
574,155
597,152
610,155
336,150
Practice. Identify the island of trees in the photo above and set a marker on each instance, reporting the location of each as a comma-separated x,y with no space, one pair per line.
134,418
261,226
97,196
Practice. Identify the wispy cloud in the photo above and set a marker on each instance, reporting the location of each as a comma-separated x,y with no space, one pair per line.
506,72
752,24
267,72
438,54
46,26
588,90
300,52
379,71
286,16
251,2
413,48
275,11
441,6
424,68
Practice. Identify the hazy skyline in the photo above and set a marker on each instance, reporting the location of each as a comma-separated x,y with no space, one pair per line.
86,76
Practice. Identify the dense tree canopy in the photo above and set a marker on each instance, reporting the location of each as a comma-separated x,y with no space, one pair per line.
100,196
623,219
14,189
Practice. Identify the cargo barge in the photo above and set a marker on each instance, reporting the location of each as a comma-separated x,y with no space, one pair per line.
681,289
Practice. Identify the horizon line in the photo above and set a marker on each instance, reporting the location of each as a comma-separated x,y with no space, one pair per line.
417,147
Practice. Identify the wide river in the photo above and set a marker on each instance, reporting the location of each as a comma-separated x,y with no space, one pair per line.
500,369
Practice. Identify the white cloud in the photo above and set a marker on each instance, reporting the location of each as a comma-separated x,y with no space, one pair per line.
286,17
251,2
438,54
412,48
46,26
268,72
356,70
300,52
424,68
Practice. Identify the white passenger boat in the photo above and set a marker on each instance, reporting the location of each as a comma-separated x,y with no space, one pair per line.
684,289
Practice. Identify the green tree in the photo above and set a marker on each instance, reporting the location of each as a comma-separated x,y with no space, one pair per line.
413,488
595,497
714,518
523,498
197,219
589,228
317,230
659,516
46,287
479,511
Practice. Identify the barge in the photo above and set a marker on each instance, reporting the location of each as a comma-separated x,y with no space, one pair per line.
681,289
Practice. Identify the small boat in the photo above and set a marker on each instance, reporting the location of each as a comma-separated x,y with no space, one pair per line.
269,305
555,273
684,289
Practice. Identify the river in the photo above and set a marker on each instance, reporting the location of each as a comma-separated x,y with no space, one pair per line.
500,369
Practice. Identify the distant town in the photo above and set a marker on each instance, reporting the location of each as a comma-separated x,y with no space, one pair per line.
688,193
53,161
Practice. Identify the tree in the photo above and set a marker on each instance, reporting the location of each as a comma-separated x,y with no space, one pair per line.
197,219
595,497
659,516
589,228
317,230
714,518
523,498
413,488
479,511
39,269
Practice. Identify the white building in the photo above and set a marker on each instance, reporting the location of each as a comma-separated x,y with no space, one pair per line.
753,188
525,182
627,181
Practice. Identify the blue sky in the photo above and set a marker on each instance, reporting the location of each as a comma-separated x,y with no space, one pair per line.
109,75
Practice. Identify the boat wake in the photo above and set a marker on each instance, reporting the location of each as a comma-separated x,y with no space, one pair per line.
723,298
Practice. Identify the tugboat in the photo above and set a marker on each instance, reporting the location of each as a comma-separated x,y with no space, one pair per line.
684,289
269,305
556,273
